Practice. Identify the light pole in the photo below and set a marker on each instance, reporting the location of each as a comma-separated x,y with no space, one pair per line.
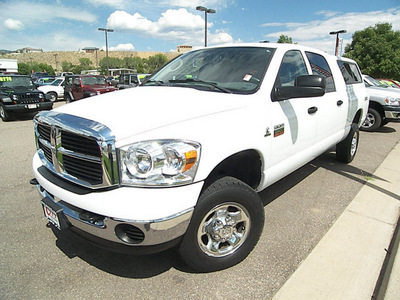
105,31
337,40
206,11
55,58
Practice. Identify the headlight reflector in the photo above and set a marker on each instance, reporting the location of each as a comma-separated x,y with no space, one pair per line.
159,163
392,101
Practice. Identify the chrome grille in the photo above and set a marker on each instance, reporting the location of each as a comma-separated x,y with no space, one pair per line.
74,149
84,170
79,144
44,133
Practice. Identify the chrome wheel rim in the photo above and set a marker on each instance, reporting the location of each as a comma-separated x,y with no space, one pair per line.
354,143
369,121
223,229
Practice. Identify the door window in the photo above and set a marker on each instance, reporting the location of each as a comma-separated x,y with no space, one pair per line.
320,67
292,66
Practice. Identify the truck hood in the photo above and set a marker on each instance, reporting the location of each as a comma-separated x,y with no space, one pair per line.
100,88
133,111
17,90
383,92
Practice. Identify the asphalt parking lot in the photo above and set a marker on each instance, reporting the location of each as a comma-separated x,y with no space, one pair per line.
299,210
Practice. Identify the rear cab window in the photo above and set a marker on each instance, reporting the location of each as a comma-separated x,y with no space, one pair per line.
351,73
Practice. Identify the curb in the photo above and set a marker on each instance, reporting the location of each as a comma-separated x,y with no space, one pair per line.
350,260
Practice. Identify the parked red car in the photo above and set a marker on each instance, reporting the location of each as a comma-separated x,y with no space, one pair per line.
83,86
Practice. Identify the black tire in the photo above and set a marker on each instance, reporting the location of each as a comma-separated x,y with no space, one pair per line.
4,114
372,121
53,96
384,122
225,226
346,150
68,98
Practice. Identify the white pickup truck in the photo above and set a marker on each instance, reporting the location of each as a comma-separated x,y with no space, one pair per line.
180,160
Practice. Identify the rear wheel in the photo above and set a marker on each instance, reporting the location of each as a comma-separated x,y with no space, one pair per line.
68,98
346,150
225,227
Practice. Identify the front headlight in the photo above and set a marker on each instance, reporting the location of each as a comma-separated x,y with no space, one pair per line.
15,97
392,101
159,163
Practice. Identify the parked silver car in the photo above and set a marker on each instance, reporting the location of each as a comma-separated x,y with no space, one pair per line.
384,105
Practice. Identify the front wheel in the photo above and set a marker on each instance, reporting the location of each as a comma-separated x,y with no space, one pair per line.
372,121
52,96
346,150
4,114
225,227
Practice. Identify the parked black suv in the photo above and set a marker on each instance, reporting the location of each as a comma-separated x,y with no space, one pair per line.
18,95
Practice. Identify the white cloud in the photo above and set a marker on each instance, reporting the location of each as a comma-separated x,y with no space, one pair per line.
13,24
179,20
220,37
121,47
121,20
316,33
111,3
176,25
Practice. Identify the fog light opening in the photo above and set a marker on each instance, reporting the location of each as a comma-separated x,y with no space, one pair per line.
129,234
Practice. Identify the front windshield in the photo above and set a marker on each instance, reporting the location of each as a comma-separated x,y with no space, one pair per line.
375,82
57,82
93,80
227,69
15,81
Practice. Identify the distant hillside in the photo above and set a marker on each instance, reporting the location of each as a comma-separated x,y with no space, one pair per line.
74,56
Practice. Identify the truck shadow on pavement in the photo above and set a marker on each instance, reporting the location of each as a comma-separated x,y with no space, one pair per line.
326,161
146,266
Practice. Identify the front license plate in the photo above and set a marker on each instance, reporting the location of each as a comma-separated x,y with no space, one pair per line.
53,213
32,106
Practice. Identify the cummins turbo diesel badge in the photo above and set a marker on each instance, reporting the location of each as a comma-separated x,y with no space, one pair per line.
279,130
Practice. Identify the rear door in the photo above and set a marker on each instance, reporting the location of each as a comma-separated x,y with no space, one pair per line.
333,106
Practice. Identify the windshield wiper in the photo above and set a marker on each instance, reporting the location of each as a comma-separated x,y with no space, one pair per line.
207,83
157,82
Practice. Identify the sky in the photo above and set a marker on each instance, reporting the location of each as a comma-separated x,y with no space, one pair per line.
162,25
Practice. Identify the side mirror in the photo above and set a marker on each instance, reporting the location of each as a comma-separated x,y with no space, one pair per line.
304,86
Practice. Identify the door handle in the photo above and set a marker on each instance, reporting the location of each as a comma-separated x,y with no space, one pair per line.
312,110
339,103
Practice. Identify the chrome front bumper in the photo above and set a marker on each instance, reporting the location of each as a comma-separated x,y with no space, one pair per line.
155,232
392,112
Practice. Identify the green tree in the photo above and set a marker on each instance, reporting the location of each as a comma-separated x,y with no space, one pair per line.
24,69
134,63
155,62
377,51
113,63
67,66
85,62
284,39
45,68
27,69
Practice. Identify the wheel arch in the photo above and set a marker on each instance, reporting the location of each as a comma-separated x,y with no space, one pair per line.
378,107
244,166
